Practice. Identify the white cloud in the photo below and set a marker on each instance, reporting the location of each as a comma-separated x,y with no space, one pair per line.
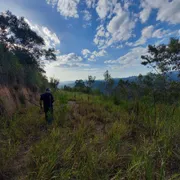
131,58
111,61
101,36
104,7
70,60
85,52
170,12
129,44
67,8
90,3
52,2
167,10
144,14
87,24
127,4
92,56
71,57
146,33
118,29
95,55
164,35
50,38
87,16
160,33
119,46
74,65
100,53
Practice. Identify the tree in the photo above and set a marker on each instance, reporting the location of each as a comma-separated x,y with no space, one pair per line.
90,81
17,36
79,84
109,82
54,83
163,58
21,50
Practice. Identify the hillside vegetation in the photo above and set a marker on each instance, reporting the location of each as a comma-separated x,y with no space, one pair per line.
92,138
21,52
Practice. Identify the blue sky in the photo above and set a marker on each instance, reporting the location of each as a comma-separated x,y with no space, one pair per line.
92,36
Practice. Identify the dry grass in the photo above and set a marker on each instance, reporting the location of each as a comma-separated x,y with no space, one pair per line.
91,138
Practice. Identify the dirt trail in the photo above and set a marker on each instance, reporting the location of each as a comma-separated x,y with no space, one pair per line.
18,166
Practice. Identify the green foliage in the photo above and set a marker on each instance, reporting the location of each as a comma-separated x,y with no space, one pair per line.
20,51
54,83
90,81
16,133
163,57
19,38
109,82
94,139
17,74
81,86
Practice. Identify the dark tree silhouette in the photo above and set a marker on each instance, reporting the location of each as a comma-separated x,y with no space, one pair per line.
90,81
17,36
164,58
21,50
54,83
79,84
109,82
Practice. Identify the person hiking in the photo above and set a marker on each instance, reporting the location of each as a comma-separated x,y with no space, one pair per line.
48,100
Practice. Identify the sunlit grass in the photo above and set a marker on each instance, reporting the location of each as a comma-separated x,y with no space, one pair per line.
92,138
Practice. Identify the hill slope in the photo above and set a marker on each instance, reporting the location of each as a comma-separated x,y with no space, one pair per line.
92,139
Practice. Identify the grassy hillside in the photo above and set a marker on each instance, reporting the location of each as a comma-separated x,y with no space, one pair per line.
92,138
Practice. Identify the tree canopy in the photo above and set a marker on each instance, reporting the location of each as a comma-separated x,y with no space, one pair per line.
164,58
22,50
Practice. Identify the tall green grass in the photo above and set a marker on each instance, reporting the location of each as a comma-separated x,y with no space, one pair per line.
92,138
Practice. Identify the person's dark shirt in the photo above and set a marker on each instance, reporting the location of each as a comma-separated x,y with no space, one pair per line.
48,100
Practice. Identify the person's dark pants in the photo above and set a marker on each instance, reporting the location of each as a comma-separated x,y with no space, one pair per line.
49,115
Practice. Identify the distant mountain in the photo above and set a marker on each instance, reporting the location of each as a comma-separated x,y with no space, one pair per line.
67,83
173,76
97,82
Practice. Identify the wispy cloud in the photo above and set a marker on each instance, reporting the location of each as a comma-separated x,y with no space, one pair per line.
50,38
167,10
93,56
67,8
120,27
131,58
146,33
